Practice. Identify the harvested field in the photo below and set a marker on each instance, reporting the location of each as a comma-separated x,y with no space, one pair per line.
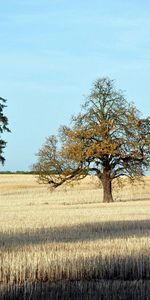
67,244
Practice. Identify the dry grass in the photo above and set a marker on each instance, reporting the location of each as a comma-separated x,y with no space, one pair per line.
71,235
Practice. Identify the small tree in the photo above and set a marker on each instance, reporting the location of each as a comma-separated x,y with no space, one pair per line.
108,138
3,127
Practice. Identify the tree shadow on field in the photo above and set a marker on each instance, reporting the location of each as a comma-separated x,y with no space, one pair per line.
76,233
81,290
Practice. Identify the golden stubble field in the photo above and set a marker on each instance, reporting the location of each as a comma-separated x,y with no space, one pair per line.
68,243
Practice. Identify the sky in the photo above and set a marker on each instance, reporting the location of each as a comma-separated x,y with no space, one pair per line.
51,53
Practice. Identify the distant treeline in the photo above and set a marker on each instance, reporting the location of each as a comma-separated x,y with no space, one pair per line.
17,172
33,172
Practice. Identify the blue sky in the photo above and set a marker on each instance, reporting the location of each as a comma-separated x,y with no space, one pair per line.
50,54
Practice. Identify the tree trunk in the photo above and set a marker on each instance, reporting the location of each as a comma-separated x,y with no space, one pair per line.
107,188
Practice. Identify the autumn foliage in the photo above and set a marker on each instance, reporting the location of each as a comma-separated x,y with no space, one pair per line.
109,139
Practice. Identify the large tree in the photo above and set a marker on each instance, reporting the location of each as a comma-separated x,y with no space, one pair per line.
3,128
109,138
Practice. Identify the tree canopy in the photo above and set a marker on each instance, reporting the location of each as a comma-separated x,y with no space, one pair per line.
3,128
109,138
